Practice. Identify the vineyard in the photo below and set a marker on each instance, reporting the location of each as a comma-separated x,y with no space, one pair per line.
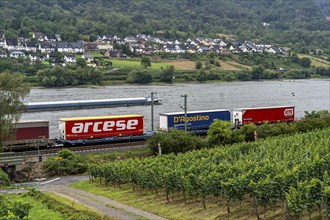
292,171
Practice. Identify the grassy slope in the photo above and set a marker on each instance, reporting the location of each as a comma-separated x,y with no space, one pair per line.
317,62
178,65
182,65
119,63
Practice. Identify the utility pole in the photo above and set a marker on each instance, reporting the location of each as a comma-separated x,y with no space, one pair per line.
38,159
152,110
185,111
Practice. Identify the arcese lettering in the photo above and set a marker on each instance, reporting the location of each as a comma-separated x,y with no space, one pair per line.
101,126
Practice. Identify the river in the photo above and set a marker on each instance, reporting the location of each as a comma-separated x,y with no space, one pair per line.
306,95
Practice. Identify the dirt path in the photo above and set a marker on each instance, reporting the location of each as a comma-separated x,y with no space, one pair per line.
103,205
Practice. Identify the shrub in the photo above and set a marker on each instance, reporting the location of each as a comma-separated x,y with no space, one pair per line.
188,77
202,76
245,133
13,210
67,163
4,179
167,74
175,141
198,65
141,77
219,133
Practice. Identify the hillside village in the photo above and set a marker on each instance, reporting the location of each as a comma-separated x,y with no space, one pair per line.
46,47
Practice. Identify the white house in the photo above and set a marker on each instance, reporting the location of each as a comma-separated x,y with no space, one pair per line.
17,54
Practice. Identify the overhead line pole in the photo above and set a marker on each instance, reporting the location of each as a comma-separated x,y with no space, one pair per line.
152,110
185,111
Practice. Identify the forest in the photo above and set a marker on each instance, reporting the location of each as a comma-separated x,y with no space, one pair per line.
291,23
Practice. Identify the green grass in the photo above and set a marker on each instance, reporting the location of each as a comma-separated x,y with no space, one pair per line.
45,63
76,205
95,54
317,62
127,63
38,210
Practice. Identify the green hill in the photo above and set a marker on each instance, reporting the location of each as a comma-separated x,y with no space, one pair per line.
289,22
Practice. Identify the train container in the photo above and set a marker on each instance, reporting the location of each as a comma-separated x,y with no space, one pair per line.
263,114
28,134
196,120
93,128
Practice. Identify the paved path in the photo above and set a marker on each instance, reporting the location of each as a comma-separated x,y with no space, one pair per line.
102,204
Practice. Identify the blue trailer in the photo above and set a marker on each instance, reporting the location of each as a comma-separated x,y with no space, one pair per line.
197,121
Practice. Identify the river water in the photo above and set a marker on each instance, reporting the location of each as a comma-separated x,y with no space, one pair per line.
306,95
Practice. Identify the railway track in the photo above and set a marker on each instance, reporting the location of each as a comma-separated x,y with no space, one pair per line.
79,149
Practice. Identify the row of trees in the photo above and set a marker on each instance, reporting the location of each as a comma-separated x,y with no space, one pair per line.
72,75
144,76
79,73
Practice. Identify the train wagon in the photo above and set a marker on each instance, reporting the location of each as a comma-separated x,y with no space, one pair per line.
197,121
263,114
99,129
28,134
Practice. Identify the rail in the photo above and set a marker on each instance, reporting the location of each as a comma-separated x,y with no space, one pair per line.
77,149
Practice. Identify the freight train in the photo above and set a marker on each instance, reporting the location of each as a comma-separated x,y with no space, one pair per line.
108,129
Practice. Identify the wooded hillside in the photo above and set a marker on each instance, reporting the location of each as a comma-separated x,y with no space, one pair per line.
301,22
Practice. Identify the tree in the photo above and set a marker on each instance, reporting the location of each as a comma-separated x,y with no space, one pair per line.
257,71
198,65
305,62
12,93
167,74
175,141
145,62
81,62
219,132
141,77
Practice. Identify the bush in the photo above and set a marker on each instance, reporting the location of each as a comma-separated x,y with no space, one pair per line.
67,163
245,133
167,74
213,76
202,76
4,179
141,77
316,114
309,124
220,133
12,210
175,141
198,65
188,77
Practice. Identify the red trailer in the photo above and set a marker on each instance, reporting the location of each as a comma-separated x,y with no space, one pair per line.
263,114
100,127
28,134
